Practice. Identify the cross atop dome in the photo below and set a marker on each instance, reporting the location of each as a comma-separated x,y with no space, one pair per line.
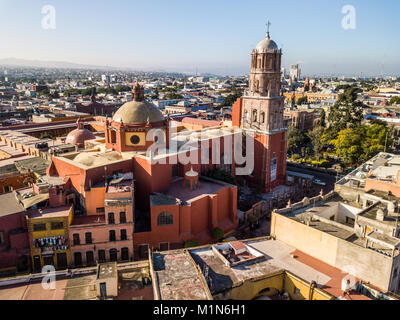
268,25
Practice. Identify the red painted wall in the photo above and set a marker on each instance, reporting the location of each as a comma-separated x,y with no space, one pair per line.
236,112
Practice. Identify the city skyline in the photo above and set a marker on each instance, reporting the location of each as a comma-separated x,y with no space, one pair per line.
207,38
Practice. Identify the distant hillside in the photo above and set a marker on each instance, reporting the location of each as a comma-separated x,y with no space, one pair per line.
48,64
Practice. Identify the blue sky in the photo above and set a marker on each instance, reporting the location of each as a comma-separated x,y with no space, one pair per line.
208,35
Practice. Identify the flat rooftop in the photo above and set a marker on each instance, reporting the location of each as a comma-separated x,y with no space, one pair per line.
383,166
36,164
10,151
81,285
88,159
52,181
107,271
318,216
177,277
11,161
88,220
372,214
278,256
176,190
51,213
331,229
10,204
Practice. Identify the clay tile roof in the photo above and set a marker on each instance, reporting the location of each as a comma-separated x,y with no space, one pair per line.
238,245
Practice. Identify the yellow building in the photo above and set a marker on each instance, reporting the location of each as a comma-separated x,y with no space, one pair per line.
273,284
311,96
48,235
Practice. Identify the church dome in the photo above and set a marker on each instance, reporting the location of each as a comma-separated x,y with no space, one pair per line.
138,112
266,45
79,136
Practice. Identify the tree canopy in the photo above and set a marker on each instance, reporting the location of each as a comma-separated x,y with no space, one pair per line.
231,99
395,101
356,145
315,138
302,100
218,233
346,113
295,140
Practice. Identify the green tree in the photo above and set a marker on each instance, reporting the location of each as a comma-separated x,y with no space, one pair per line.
173,95
45,135
359,144
87,91
295,140
191,244
218,234
231,98
377,138
348,144
346,113
302,100
322,119
44,92
54,95
395,101
343,87
315,136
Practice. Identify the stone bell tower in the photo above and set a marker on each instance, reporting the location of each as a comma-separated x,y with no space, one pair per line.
260,111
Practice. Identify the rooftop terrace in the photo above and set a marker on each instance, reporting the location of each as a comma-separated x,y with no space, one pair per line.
276,257
177,277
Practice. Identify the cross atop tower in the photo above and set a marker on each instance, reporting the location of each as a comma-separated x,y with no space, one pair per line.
268,25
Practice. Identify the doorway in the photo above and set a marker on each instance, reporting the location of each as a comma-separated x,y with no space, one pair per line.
113,255
102,256
143,251
125,254
103,291
62,261
89,258
78,259
37,265
48,260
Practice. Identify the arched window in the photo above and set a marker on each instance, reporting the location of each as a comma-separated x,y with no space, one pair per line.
246,116
269,63
113,134
254,115
262,119
165,219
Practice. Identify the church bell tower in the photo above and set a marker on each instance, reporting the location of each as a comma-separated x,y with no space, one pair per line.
260,111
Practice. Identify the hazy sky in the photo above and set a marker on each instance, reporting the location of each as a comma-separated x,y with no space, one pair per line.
211,35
